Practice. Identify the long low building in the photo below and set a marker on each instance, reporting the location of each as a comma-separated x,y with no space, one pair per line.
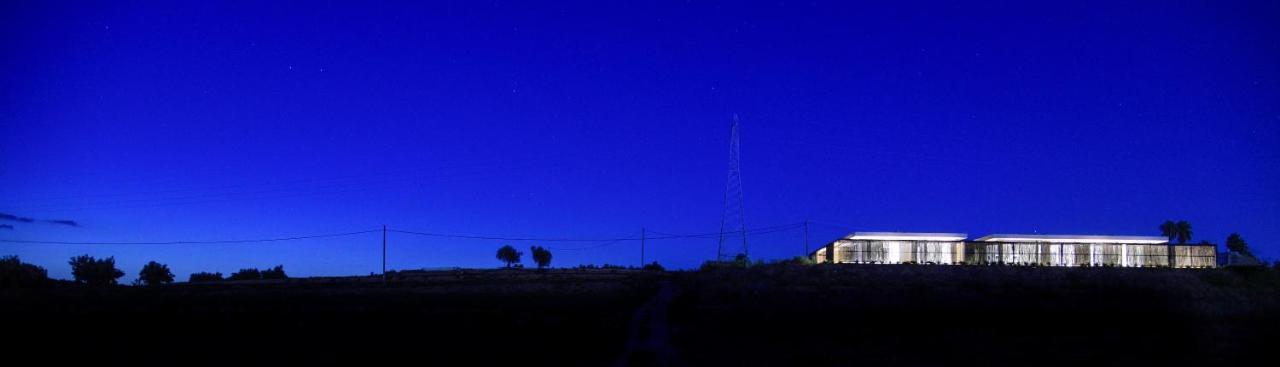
894,248
1013,249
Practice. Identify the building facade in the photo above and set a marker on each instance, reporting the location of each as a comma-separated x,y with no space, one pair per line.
1014,249
894,248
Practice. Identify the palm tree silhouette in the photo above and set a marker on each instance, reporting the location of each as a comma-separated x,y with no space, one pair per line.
1183,231
1169,229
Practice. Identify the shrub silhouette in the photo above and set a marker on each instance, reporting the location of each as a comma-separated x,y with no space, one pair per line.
798,260
1237,244
155,273
16,274
96,272
246,274
509,255
275,273
541,256
204,277
654,266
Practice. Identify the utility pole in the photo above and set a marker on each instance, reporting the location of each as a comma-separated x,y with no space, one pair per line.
384,253
806,238
642,247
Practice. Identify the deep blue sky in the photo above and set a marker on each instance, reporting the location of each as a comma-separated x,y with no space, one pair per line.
196,121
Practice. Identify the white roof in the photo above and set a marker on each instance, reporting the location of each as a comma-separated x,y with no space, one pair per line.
906,236
1072,239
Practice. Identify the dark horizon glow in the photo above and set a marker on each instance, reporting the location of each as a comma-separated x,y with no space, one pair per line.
156,122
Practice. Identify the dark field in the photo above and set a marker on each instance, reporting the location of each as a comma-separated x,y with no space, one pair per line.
978,315
473,317
770,315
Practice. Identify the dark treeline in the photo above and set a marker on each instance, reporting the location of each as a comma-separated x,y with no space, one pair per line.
90,271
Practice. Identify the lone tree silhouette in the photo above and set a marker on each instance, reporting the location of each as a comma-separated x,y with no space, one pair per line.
541,256
155,273
1236,244
97,272
509,255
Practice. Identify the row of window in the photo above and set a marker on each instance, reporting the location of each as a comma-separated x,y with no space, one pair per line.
1042,254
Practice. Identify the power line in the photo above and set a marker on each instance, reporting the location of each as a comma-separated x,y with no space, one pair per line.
606,244
501,238
762,230
193,242
780,229
843,226
610,241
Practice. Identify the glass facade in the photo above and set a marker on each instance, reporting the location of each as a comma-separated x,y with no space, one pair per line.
1068,254
897,252
1195,256
1037,250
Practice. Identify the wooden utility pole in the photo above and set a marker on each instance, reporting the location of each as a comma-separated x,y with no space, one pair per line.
806,238
642,247
384,253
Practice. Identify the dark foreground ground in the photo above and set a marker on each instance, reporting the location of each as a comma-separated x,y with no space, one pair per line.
772,315
949,315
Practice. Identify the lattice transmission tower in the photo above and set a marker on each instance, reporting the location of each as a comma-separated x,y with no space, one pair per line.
733,221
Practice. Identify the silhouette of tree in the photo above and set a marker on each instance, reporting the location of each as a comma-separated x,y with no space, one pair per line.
509,255
155,273
97,272
541,256
1235,243
246,274
1169,229
654,266
204,277
14,274
1183,232
275,273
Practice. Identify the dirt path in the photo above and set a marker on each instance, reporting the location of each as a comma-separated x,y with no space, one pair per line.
649,342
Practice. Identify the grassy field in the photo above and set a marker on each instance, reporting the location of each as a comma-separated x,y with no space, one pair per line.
978,315
768,315
477,317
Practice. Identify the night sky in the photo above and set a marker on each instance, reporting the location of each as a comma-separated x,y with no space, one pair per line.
167,121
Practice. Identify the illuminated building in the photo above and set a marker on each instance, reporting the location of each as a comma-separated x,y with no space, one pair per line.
1013,249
